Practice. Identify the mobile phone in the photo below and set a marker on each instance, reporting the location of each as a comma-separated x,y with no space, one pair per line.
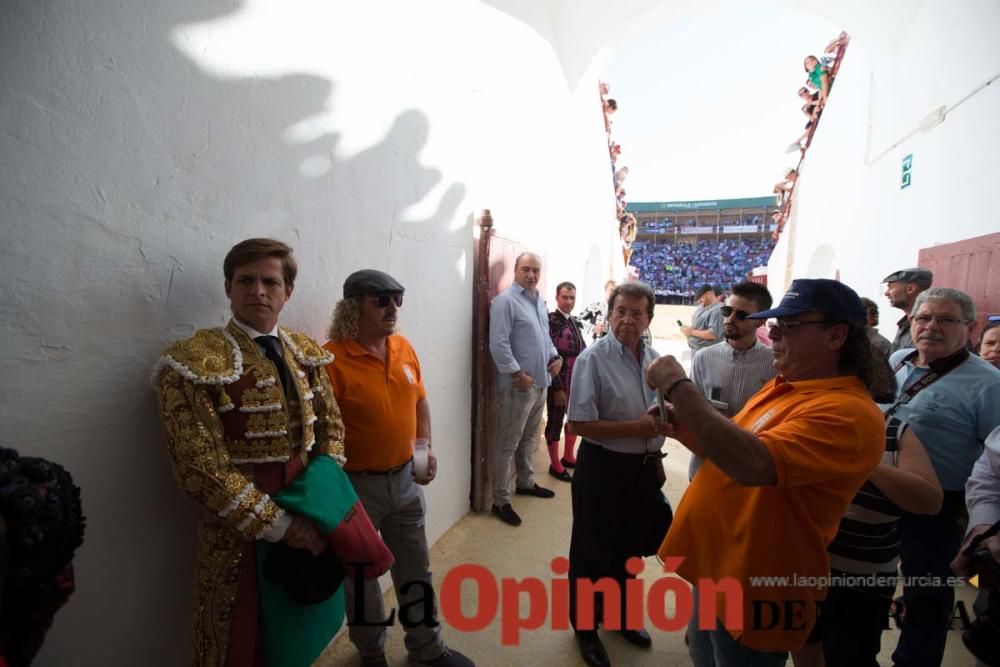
679,323
663,408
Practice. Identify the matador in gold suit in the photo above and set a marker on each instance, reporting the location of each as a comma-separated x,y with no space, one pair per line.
235,437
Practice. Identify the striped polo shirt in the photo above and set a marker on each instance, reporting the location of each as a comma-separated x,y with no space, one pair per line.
867,541
732,375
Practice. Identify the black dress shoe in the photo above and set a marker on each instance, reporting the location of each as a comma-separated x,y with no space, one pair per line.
592,650
567,464
507,515
561,476
537,491
638,637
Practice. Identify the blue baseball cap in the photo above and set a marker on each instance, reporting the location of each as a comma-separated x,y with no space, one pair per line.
822,295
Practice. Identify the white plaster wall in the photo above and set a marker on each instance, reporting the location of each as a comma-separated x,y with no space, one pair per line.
849,195
141,140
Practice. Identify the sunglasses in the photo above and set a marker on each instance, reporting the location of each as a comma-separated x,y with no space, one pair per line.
740,314
784,326
383,300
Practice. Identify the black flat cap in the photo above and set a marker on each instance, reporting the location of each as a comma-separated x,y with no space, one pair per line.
921,277
703,289
371,281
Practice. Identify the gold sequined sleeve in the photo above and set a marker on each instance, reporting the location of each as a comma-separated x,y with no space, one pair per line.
329,425
201,463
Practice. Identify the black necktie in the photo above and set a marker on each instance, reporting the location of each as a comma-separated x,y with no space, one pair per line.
273,352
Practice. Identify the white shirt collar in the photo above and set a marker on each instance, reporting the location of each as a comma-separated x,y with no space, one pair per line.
253,333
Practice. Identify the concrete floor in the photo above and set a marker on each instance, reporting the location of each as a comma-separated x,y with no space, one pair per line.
527,551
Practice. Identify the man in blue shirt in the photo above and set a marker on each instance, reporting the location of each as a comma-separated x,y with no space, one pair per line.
951,399
526,360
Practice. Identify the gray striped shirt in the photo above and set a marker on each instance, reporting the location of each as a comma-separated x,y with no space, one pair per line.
732,375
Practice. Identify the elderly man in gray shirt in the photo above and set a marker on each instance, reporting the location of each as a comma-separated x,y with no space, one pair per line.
526,361
618,508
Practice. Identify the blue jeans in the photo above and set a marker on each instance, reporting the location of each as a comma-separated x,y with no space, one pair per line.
717,648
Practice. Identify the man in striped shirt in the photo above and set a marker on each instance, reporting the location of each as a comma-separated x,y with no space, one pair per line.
733,372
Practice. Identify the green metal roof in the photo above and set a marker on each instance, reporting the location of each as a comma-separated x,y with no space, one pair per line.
706,205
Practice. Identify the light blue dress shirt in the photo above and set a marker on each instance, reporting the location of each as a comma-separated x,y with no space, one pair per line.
609,384
519,336
952,416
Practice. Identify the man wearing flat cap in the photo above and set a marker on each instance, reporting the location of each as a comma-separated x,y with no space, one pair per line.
706,322
377,381
777,478
902,288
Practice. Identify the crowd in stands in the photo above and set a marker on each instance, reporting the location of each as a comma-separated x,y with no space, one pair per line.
626,221
820,75
681,268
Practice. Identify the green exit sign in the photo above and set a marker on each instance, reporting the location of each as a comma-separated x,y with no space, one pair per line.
907,171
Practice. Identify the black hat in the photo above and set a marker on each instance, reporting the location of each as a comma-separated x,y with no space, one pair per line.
821,295
703,289
371,281
919,276
307,579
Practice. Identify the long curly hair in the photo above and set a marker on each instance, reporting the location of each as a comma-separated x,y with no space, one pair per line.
856,358
346,315
43,520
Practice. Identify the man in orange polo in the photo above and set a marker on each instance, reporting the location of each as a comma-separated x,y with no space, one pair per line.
377,382
777,478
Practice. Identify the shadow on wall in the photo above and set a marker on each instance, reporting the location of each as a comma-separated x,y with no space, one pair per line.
138,171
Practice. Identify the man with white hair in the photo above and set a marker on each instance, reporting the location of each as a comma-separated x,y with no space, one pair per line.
951,399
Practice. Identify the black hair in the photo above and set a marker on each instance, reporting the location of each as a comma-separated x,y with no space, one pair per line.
755,292
634,289
43,525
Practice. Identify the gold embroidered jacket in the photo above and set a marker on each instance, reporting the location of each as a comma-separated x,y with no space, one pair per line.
224,411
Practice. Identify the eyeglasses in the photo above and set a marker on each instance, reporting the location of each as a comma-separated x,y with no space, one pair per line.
740,314
944,321
383,300
784,326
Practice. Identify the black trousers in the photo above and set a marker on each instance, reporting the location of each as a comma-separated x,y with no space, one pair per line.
618,512
851,622
928,543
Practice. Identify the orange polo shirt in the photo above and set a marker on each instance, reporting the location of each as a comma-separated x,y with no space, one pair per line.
825,437
378,402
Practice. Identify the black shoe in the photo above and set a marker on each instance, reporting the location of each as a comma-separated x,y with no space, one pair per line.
374,661
567,464
638,637
507,515
592,650
537,491
561,476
